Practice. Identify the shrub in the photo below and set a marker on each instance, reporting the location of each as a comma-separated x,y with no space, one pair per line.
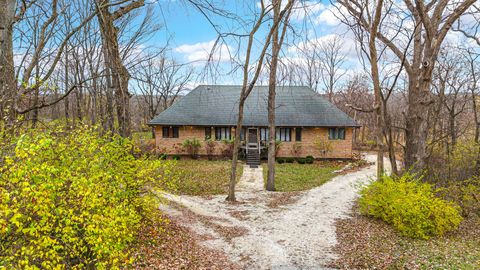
466,194
175,157
280,160
192,147
228,149
301,160
162,156
74,200
278,144
289,160
309,160
296,149
324,146
410,206
210,148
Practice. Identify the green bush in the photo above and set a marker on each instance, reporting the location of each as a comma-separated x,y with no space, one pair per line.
410,206
289,160
74,200
301,160
280,160
162,156
309,160
175,157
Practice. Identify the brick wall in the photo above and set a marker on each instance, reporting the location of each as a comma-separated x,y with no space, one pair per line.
313,140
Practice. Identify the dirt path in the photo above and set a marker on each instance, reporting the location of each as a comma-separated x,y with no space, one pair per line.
260,234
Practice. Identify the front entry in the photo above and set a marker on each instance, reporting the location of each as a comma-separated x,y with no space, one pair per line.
252,137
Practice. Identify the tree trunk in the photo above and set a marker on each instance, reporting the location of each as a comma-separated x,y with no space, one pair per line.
236,147
379,127
416,127
8,86
272,81
113,61
66,101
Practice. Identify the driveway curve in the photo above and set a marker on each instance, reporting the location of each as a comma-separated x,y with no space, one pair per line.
257,235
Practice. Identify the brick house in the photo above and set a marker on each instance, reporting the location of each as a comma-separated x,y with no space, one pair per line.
307,124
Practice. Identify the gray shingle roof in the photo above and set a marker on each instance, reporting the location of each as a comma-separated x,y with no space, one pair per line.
217,105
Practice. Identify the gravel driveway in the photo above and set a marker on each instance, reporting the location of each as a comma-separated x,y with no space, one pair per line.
299,234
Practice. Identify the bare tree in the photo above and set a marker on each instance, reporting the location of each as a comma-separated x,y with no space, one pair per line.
431,22
118,75
332,61
277,42
7,71
249,83
160,81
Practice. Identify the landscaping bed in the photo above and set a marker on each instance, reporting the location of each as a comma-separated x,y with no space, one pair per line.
366,243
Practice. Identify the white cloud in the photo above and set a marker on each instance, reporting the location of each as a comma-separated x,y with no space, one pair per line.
329,16
202,51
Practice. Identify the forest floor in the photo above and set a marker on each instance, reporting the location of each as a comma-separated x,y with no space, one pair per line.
265,230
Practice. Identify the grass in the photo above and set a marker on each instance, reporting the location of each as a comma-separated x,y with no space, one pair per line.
370,243
298,177
203,177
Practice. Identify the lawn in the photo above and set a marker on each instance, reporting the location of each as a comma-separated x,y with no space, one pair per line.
204,177
298,177
366,243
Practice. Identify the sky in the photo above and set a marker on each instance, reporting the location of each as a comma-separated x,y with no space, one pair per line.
190,36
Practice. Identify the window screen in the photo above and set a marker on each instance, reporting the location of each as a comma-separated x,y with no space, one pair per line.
264,134
336,133
298,134
283,134
222,133
175,132
165,131
208,133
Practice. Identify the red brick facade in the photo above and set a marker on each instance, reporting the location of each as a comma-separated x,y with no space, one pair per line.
314,142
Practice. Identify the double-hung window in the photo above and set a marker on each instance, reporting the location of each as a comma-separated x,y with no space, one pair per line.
223,133
336,133
170,132
208,133
263,134
165,132
298,134
284,134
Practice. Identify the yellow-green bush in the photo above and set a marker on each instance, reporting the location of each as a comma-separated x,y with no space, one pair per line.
74,200
466,194
410,206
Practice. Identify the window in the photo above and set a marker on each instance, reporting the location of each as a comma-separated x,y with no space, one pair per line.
336,133
242,134
208,133
175,132
170,132
298,134
165,131
264,134
284,134
222,133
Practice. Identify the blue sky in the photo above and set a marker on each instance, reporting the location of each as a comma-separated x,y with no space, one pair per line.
191,36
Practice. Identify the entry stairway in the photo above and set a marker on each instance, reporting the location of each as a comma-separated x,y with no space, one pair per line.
253,158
